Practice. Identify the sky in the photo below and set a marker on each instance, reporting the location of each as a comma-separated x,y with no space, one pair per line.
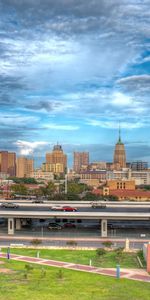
70,71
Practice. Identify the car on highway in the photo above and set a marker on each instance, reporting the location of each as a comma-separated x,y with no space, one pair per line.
96,204
9,205
37,201
69,208
55,226
56,208
69,225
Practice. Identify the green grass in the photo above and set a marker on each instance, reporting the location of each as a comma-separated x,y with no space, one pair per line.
72,285
109,260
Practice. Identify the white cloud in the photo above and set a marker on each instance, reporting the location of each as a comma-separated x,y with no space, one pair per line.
61,127
114,124
120,99
17,119
27,148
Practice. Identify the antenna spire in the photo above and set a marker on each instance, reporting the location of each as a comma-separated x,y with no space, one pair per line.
119,140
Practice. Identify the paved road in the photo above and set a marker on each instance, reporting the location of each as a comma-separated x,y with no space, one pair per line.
81,209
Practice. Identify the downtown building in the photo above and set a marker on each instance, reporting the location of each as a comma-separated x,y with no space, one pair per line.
56,161
80,161
119,155
8,163
25,167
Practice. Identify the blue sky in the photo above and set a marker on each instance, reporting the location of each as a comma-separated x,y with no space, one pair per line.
70,71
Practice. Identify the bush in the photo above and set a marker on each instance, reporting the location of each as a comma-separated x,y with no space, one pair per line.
100,251
107,244
60,274
71,243
28,267
36,242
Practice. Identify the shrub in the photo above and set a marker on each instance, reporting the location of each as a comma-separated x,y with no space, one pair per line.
100,251
36,242
107,244
28,267
60,274
71,243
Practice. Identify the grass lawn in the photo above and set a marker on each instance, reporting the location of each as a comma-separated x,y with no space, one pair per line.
108,260
47,283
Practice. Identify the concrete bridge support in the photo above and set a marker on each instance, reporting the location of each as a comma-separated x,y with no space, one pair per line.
18,224
11,227
104,228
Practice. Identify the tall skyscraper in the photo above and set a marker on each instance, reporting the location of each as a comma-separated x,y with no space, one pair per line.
119,154
56,160
25,167
8,163
81,159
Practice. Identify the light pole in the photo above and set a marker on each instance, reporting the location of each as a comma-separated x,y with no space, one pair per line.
66,184
42,231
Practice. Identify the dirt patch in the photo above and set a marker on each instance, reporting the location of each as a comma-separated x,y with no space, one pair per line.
6,271
1,262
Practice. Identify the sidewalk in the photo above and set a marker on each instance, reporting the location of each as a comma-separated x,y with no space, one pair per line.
134,274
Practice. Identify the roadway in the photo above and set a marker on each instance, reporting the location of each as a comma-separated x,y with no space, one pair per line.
42,207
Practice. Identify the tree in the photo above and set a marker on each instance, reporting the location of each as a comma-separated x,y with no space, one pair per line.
91,197
119,254
76,188
111,198
107,244
19,189
100,251
36,242
71,243
24,180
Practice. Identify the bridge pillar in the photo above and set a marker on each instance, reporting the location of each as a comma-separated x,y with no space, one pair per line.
18,224
103,228
11,226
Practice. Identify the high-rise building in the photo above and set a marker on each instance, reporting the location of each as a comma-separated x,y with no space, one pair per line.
8,163
25,167
81,160
139,165
56,161
119,154
12,164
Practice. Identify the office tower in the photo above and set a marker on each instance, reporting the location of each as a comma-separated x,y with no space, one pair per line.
81,160
25,167
139,165
56,161
12,164
119,154
8,163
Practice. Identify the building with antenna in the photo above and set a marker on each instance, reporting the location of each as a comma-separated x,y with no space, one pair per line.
119,154
56,161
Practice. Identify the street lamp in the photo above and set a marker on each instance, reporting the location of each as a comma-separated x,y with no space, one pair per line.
66,184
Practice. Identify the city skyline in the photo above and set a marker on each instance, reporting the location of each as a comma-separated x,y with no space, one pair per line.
70,72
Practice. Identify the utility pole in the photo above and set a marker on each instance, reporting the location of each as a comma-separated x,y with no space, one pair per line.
66,189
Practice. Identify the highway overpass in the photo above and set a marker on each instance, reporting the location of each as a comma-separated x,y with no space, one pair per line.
14,217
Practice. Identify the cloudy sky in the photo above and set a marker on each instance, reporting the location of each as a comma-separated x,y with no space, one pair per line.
70,71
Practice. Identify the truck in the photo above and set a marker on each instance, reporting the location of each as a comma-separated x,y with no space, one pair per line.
97,204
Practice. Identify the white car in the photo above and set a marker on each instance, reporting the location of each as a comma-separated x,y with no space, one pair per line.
57,207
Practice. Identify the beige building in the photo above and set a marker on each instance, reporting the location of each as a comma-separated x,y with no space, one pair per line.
80,161
25,167
121,184
119,155
56,161
8,163
42,175
54,168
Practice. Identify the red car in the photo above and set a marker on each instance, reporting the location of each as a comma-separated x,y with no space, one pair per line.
69,225
69,208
